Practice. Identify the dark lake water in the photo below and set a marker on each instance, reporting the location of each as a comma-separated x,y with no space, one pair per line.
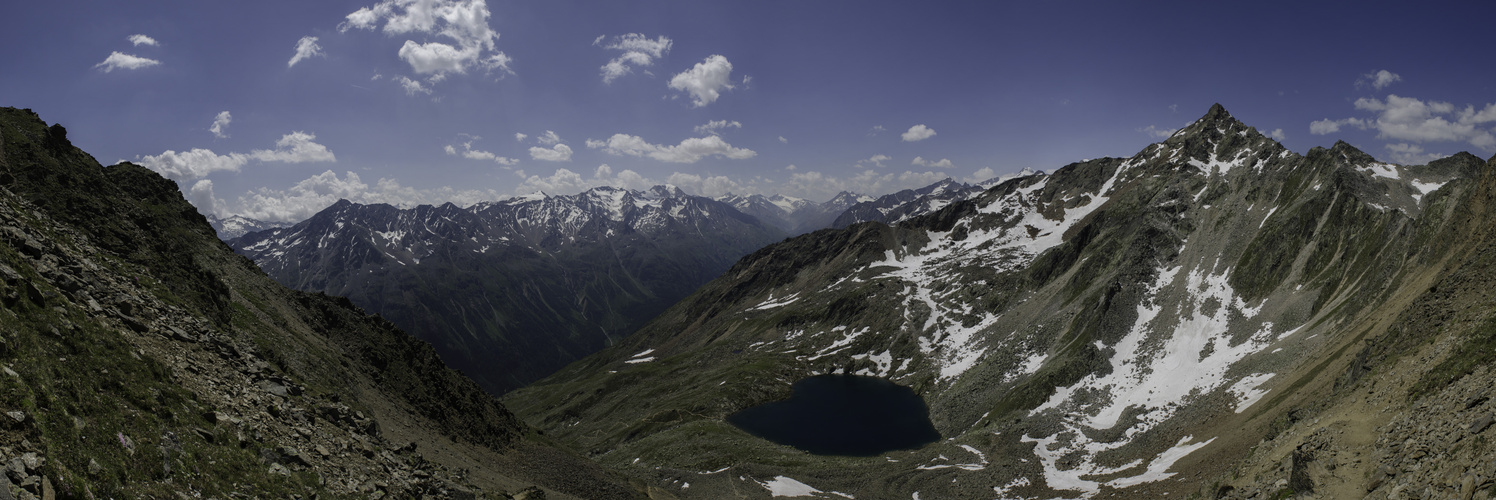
843,415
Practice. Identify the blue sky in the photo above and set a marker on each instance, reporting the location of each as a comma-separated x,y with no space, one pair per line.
426,101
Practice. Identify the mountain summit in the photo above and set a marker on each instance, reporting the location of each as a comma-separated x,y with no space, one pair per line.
1119,327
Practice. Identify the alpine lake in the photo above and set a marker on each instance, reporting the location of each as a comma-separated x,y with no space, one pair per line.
847,415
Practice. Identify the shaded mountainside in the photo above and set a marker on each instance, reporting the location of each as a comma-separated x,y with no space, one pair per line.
511,291
142,358
1118,328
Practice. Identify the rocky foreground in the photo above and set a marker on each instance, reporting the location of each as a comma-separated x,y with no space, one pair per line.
141,358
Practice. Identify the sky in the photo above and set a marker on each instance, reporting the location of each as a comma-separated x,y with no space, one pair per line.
276,109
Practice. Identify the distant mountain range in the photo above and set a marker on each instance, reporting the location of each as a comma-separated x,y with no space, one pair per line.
512,290
235,226
794,215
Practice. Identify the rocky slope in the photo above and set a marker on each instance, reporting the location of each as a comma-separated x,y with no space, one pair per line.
141,358
1164,324
511,291
794,216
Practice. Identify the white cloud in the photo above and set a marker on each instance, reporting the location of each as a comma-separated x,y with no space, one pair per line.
712,127
1411,154
475,154
876,160
638,51
1277,134
519,137
306,47
783,140
548,138
705,81
1379,80
943,163
1412,119
295,147
138,40
688,151
194,164
201,196
1158,133
411,86
221,125
464,23
119,60
918,133
560,152
791,167
982,175
315,193
877,129
1328,126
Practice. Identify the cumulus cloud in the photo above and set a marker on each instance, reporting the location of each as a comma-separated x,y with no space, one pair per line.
475,154
713,127
1277,134
309,196
877,129
875,160
559,152
1158,133
138,40
564,181
688,151
519,137
411,87
295,147
705,81
1328,126
548,138
1406,122
120,60
1412,119
201,196
1379,80
306,47
782,140
918,133
943,163
1411,154
638,51
469,41
221,125
194,164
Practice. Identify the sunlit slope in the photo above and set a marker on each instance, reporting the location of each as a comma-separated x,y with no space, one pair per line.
1086,332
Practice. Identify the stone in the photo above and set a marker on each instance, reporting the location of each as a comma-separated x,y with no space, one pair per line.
94,468
1480,424
17,416
279,469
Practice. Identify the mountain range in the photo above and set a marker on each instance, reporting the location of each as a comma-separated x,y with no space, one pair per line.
794,215
510,291
1215,315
